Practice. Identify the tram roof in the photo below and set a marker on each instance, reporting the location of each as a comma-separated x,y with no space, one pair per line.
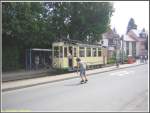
76,43
39,49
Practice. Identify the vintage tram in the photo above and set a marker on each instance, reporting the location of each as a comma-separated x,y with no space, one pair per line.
64,54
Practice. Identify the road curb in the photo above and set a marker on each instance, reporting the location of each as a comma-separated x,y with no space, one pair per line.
41,83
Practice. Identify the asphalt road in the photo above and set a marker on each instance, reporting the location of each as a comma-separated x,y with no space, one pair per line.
121,90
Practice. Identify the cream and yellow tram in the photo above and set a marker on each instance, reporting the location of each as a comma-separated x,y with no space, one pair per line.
64,55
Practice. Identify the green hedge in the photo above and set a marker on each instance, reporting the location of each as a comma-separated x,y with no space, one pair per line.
111,61
59,71
10,58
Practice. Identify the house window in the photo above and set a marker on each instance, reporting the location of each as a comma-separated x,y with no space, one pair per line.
82,52
134,48
127,47
88,52
111,42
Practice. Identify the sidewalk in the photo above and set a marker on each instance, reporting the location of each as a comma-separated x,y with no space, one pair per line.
12,85
22,74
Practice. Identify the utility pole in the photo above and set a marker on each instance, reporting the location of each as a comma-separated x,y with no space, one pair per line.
122,49
116,48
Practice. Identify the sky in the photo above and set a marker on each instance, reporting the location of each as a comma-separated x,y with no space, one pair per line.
124,10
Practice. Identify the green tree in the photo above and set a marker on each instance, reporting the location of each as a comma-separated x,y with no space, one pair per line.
89,19
79,20
29,25
23,27
131,25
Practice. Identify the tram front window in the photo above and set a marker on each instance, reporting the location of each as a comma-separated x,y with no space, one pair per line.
56,52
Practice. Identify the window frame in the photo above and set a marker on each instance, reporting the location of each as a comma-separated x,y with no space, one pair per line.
87,52
61,52
99,50
74,52
56,55
81,49
66,52
94,50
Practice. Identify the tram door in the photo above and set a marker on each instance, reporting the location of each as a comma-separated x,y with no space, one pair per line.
70,58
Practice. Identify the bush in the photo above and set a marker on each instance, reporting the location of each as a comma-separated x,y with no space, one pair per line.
10,59
59,71
111,61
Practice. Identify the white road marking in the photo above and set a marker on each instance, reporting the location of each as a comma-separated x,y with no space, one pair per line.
122,73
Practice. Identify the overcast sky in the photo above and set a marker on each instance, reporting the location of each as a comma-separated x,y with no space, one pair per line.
124,10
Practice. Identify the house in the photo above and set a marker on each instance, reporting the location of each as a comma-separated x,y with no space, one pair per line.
111,40
134,44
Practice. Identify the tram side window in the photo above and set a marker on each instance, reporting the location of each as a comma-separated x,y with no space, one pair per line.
75,52
61,52
82,51
99,52
94,52
56,52
88,52
65,51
